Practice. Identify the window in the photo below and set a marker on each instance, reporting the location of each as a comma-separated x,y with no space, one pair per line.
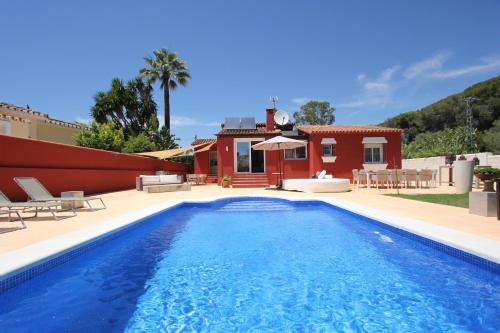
295,154
329,150
373,153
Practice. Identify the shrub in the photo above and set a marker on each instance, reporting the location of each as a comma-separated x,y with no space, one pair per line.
101,136
139,144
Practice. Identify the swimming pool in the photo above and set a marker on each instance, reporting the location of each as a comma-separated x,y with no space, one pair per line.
257,264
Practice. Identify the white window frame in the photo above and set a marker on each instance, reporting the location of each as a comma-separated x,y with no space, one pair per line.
295,154
235,151
333,150
371,146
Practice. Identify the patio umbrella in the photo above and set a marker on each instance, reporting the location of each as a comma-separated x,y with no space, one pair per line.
278,143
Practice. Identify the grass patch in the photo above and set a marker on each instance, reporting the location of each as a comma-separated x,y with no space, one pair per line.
457,200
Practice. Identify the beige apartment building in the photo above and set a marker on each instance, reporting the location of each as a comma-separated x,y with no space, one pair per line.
26,123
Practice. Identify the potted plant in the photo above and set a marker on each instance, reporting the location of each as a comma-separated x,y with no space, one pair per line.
225,181
487,175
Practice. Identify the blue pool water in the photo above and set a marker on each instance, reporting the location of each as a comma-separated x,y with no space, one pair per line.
260,265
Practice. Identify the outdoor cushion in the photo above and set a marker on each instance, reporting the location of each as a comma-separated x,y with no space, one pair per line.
322,174
172,179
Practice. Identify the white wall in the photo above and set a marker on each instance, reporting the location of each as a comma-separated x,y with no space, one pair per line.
437,161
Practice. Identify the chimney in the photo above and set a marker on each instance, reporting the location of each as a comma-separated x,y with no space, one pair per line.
269,119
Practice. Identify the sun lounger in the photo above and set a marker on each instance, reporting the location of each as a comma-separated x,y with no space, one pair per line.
38,193
11,206
10,212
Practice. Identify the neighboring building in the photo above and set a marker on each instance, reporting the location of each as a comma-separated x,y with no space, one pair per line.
26,123
335,148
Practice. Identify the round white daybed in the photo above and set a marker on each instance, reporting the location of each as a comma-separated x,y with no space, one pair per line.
317,185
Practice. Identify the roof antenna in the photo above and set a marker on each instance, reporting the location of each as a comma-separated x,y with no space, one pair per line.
274,100
469,119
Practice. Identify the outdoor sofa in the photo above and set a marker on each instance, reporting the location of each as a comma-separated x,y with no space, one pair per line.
161,183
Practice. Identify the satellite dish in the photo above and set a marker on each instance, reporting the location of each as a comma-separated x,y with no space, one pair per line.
281,117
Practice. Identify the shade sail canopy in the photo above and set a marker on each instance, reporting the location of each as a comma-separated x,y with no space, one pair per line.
163,154
206,148
279,142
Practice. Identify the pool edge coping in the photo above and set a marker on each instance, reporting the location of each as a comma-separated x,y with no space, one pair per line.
17,261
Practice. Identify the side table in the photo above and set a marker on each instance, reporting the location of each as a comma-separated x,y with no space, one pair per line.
73,203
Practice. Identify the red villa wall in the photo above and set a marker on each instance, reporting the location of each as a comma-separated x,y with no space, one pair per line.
63,167
349,150
201,161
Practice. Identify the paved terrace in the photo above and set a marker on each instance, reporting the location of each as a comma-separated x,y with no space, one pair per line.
120,203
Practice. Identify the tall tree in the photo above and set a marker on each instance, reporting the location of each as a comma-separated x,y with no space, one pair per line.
315,113
170,71
129,106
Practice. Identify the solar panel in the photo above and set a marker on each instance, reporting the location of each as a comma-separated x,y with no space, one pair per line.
232,123
248,123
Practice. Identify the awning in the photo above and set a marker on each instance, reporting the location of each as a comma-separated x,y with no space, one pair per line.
163,154
374,139
206,148
328,141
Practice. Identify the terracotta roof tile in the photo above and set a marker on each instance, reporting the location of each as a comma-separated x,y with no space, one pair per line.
202,141
309,129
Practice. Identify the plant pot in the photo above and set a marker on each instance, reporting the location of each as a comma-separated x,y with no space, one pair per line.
488,181
225,183
463,171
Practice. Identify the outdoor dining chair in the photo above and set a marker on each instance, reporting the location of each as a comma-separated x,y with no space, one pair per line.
425,175
382,177
411,176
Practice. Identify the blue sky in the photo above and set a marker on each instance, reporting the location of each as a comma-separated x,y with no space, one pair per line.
370,59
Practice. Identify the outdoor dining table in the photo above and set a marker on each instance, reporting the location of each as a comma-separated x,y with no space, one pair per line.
369,173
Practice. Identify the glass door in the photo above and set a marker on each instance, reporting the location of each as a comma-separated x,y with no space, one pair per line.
243,156
257,160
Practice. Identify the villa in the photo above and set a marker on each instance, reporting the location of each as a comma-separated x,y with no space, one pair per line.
338,149
23,122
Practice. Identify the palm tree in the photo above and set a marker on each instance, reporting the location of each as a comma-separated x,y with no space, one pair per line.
170,70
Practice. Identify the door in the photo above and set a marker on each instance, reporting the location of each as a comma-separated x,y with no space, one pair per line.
243,156
212,163
247,160
257,160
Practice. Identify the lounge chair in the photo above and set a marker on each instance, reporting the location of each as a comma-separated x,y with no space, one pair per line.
10,212
38,193
10,206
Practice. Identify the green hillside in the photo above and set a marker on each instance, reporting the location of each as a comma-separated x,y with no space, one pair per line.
439,127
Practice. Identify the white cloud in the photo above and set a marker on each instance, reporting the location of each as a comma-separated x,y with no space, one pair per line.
487,64
361,77
376,92
380,92
301,100
181,121
427,65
